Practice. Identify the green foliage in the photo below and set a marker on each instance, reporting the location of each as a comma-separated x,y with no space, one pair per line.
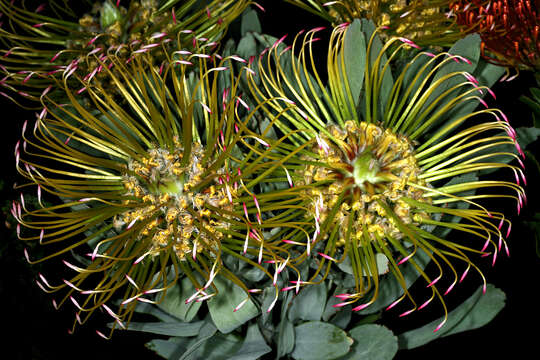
168,328
337,337
533,101
110,14
309,304
174,301
253,347
222,306
476,311
250,22
391,288
316,340
355,59
308,325
372,342
533,222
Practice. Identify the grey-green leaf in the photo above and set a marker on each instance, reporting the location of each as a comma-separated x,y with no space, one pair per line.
109,14
524,135
469,48
486,74
368,27
253,346
223,304
372,342
218,347
174,301
172,348
153,310
317,340
178,328
475,312
285,338
391,289
355,58
250,22
309,303
207,331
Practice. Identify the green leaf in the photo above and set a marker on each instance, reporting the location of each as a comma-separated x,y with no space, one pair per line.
309,303
168,328
387,82
285,331
342,318
442,231
172,348
267,298
534,226
475,312
253,346
153,310
413,71
285,338
247,46
372,342
223,304
218,347
524,135
212,346
382,265
109,15
536,93
469,48
355,58
330,310
486,74
533,104
317,340
207,331
390,289
527,135
174,301
250,22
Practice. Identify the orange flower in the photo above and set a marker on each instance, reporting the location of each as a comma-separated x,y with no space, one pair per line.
509,30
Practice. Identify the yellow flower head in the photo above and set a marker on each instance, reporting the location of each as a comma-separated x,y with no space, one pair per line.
425,22
149,176
43,44
383,162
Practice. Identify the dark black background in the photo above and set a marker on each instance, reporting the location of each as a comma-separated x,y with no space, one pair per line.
34,330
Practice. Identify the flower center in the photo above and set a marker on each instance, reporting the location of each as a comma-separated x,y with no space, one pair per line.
365,169
370,171
173,214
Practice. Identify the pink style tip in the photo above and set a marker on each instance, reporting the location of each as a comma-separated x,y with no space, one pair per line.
425,304
439,327
392,304
406,313
361,307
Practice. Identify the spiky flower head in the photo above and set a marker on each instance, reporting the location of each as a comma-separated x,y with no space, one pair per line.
509,30
149,176
425,22
50,40
382,164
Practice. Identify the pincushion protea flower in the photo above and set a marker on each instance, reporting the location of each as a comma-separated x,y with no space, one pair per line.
149,179
51,39
509,30
423,21
369,159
